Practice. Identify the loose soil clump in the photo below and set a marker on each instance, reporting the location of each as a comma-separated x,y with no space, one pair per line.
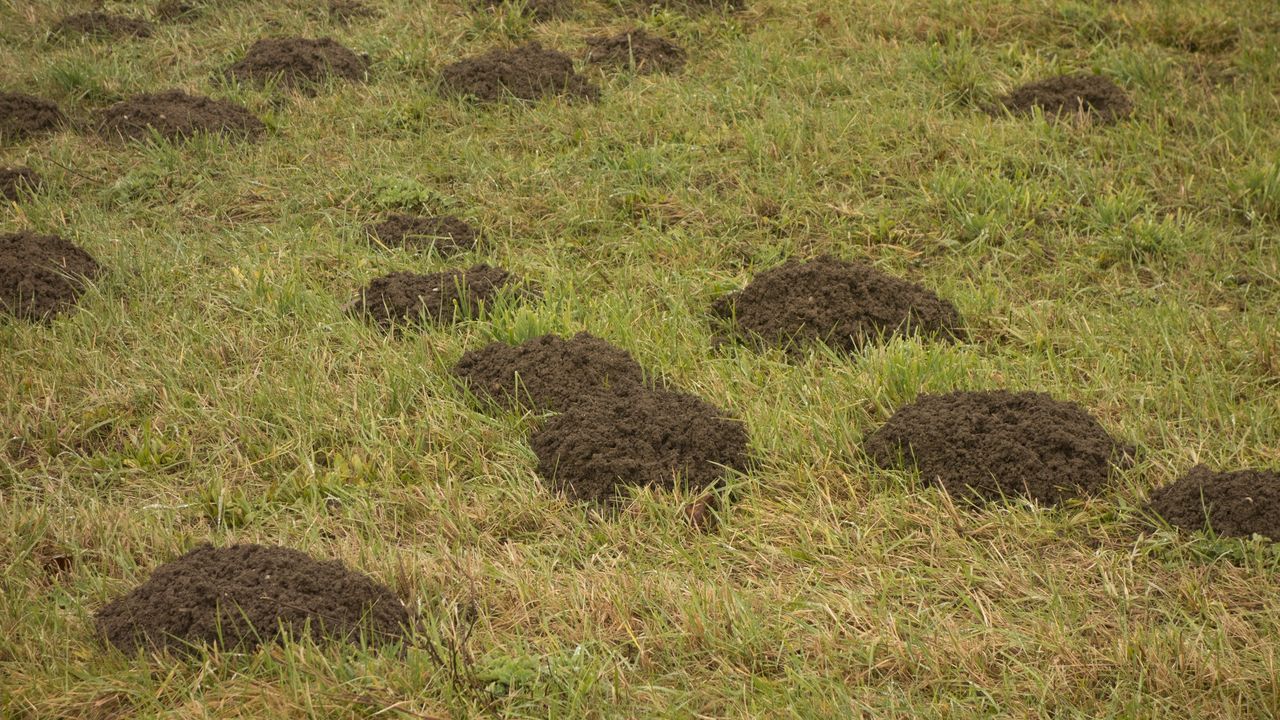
527,72
1242,503
298,62
605,444
16,180
539,10
447,234
175,115
177,10
102,25
243,596
637,48
1094,96
843,304
344,11
982,446
42,275
405,298
549,372
23,115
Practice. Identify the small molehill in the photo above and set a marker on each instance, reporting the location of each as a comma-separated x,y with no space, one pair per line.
1093,96
637,49
527,72
345,11
177,10
405,298
101,25
42,275
1242,503
298,62
176,115
539,10
548,372
243,596
23,115
983,446
446,234
605,444
843,304
14,181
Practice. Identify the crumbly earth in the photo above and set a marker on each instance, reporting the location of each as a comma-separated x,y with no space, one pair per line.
16,180
446,234
1093,95
843,304
540,10
24,115
527,72
42,275
174,114
637,48
177,10
548,372
1240,503
345,11
987,445
405,298
298,62
243,596
103,25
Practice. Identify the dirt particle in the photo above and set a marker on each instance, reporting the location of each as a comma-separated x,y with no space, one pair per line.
42,275
981,446
526,72
548,372
298,62
14,181
24,115
843,304
1067,95
637,49
405,298
1240,503
174,114
446,234
101,25
243,596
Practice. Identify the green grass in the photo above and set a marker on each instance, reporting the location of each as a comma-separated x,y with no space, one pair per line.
210,388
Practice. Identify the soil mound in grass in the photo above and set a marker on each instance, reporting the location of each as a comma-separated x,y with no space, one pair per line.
540,10
447,234
526,72
637,48
16,180
405,298
605,444
1092,95
548,372
176,115
984,445
101,25
243,596
841,303
177,10
1231,504
298,62
23,115
345,11
41,275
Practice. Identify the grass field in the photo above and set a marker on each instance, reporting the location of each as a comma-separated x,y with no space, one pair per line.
210,387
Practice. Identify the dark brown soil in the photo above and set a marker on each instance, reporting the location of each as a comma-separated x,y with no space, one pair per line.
548,372
447,234
175,115
1231,504
841,303
345,11
639,437
41,275
636,49
103,25
177,10
16,180
540,10
24,115
405,298
243,596
298,62
527,72
984,445
1092,95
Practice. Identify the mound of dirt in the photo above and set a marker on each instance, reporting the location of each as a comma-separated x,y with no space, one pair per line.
637,438
16,180
527,72
447,234
548,372
177,10
41,275
345,11
405,298
637,49
984,445
841,303
176,115
1231,504
1092,95
298,62
540,10
243,596
23,115
102,25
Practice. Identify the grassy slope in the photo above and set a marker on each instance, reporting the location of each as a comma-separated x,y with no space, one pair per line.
212,390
